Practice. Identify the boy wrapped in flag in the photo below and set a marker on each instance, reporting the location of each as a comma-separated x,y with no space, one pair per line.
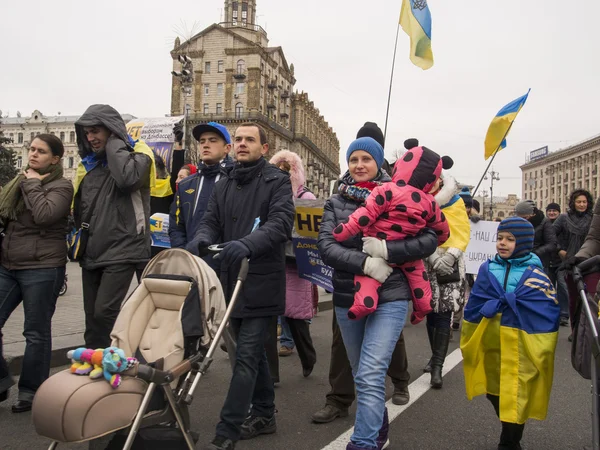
510,332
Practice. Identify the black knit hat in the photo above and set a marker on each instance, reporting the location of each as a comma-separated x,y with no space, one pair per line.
554,206
476,206
370,129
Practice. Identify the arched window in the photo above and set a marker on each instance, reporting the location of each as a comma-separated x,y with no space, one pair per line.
239,110
62,136
72,137
241,66
500,213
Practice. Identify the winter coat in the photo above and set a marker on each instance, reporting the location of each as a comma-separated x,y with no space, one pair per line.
347,258
36,240
509,272
186,214
119,230
263,197
591,246
572,227
451,296
544,241
298,291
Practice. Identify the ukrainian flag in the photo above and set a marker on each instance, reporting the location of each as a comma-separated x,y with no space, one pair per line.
495,140
508,342
415,20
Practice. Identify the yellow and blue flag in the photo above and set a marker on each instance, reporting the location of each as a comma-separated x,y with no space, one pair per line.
495,139
508,342
415,20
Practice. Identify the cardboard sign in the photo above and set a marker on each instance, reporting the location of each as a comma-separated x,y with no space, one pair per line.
482,245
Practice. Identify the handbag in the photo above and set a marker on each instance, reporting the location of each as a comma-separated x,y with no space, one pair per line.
78,240
451,277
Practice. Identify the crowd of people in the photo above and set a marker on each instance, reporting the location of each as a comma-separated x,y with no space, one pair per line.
395,235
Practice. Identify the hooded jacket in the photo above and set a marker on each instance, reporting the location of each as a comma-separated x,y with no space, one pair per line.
252,204
119,230
298,292
572,227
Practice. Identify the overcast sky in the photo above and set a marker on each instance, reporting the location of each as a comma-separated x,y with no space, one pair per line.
65,55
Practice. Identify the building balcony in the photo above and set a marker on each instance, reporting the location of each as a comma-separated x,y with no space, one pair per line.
240,75
285,94
284,115
271,104
244,24
272,84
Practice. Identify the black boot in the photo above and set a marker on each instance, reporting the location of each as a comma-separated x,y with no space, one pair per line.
511,436
441,339
430,335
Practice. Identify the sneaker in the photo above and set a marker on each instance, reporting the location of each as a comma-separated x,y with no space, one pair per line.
255,425
456,326
401,396
220,443
285,351
564,322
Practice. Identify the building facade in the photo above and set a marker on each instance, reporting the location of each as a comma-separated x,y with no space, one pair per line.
553,177
501,208
23,130
228,73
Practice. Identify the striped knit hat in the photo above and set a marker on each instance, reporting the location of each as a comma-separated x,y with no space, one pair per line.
523,232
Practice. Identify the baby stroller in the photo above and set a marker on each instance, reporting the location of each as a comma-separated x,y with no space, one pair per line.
172,324
585,350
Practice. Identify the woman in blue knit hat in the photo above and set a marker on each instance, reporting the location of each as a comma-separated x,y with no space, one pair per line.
510,331
370,341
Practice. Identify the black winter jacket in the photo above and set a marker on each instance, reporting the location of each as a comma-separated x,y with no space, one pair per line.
544,241
347,258
231,214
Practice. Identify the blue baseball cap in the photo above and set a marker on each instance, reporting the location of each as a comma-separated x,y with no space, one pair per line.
214,127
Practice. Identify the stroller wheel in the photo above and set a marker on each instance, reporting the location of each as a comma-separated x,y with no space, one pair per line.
63,289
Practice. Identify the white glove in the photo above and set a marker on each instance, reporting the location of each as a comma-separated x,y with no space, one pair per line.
377,268
374,247
445,264
433,259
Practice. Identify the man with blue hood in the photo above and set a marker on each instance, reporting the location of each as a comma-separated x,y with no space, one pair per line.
112,199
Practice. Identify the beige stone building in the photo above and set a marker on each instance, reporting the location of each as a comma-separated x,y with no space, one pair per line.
22,130
553,177
502,207
233,76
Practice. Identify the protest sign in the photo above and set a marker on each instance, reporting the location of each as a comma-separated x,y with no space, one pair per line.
159,230
157,133
304,239
482,245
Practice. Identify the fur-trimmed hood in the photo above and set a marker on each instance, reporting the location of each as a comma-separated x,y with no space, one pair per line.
297,176
447,191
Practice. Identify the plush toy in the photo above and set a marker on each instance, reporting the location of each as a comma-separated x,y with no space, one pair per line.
114,363
79,366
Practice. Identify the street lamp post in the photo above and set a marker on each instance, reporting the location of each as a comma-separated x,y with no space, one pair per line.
494,176
187,80
483,196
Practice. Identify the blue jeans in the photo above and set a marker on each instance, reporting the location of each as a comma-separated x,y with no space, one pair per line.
369,343
286,339
38,290
251,382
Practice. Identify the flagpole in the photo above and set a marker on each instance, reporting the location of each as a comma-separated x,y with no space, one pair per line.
387,113
492,160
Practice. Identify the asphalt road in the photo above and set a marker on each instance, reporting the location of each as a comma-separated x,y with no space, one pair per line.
442,419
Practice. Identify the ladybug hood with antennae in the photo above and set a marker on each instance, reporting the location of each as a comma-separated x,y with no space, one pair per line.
419,167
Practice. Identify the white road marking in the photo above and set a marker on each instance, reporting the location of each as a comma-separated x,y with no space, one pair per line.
417,388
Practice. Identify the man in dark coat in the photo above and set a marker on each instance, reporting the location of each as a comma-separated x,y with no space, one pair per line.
544,242
112,195
251,209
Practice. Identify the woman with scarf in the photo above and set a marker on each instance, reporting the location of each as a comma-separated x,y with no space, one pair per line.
299,293
34,210
371,340
571,229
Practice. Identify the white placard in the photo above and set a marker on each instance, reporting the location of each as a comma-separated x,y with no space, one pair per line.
482,245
